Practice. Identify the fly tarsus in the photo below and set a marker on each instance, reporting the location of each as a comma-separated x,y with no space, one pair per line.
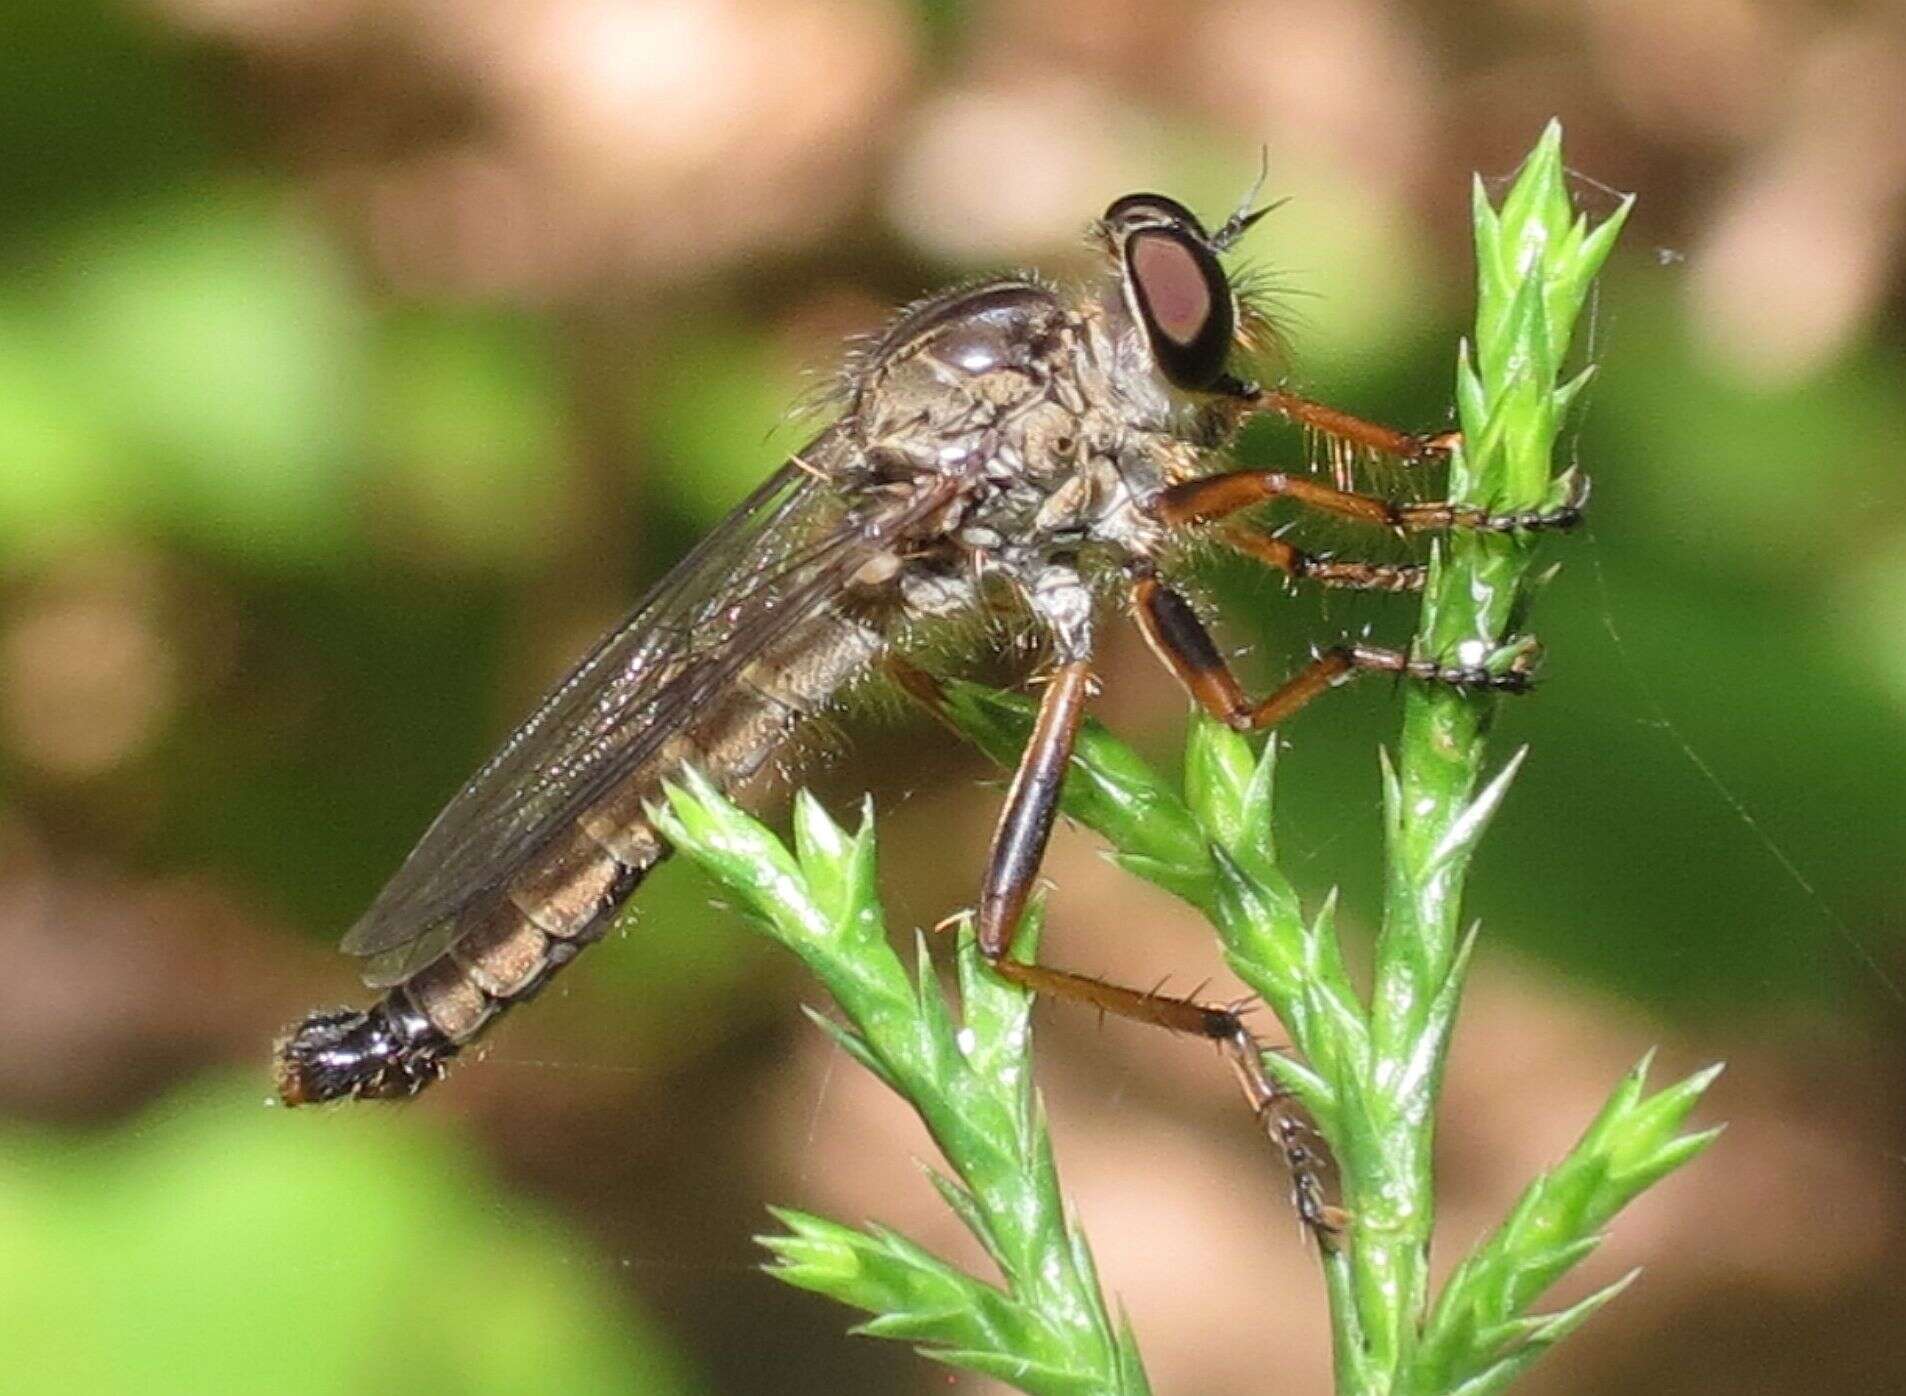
1307,1157
1558,517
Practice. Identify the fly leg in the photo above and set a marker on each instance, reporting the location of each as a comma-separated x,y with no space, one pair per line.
1346,428
1019,845
1299,565
1216,496
1181,641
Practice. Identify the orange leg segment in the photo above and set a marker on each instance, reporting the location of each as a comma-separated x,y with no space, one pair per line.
1217,496
1018,849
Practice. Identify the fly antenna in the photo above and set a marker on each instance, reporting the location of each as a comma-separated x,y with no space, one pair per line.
1239,223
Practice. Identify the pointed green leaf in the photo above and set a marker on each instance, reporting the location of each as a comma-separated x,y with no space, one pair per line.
853,1044
1462,833
1553,1328
1218,770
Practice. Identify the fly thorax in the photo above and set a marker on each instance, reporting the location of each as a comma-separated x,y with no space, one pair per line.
1001,512
946,385
1045,442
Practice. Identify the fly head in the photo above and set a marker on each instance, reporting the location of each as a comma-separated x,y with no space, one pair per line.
1175,288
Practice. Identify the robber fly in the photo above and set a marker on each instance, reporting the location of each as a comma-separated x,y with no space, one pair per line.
1055,446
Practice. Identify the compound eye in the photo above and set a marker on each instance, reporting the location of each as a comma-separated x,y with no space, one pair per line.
1184,302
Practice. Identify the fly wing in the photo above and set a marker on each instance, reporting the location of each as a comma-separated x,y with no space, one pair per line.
793,544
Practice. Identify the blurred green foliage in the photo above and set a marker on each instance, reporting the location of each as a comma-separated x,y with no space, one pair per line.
180,366
215,1246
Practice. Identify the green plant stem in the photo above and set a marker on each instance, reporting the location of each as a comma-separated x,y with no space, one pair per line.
1535,264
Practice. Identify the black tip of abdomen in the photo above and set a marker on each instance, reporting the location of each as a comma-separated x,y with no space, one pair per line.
381,1053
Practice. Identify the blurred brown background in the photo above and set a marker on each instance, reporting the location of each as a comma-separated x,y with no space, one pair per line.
359,362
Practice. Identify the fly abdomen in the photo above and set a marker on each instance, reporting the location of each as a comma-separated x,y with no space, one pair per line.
386,1051
508,944
513,947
